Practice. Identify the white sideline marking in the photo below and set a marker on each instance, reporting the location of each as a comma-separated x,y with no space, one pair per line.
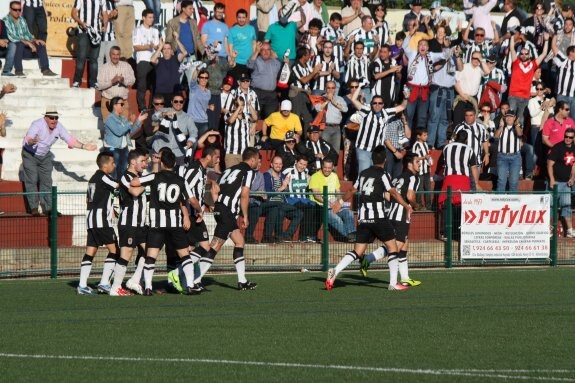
497,374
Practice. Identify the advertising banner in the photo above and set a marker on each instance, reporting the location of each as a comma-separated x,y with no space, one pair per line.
497,226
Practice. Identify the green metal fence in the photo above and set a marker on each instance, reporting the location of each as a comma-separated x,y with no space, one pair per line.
53,246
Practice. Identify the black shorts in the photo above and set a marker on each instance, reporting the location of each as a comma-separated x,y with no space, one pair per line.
401,231
198,232
226,222
132,236
158,237
367,232
101,236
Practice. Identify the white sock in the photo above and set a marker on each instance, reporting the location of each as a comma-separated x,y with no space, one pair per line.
393,264
187,268
119,273
149,268
204,267
109,265
85,268
403,269
377,254
240,263
348,258
139,270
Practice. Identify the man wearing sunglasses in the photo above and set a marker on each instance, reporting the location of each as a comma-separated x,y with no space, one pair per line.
554,128
38,160
560,169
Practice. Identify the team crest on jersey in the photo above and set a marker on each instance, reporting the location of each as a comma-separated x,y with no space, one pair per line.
130,241
205,234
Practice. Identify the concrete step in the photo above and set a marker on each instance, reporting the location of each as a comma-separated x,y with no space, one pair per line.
64,99
22,111
39,82
49,91
31,66
71,123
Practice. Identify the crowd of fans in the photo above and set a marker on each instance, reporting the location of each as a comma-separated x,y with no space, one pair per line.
323,85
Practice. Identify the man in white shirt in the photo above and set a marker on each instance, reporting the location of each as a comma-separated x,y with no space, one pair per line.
146,41
311,11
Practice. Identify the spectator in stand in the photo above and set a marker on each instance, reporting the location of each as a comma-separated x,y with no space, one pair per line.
561,174
413,15
477,140
366,34
535,25
565,63
481,17
200,100
217,69
179,134
114,79
232,9
298,197
334,106
247,94
554,128
301,78
351,16
242,39
276,181
166,64
513,18
239,129
117,131
280,123
38,160
108,35
20,37
185,29
414,34
540,108
146,41
267,14
480,42
265,70
395,137
142,137
380,25
259,206
314,10
34,13
87,14
287,151
340,217
316,150
484,119
357,69
421,149
522,75
509,135
495,74
334,33
215,32
124,27
330,70
384,73
467,85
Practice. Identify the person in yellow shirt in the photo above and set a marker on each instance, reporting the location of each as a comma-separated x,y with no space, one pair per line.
280,123
340,216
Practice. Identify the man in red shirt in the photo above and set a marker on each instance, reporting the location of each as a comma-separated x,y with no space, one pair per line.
555,127
522,70
232,6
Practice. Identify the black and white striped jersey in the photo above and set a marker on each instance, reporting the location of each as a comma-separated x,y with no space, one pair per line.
237,134
458,159
476,136
485,47
89,12
357,68
109,34
385,86
497,75
566,77
32,3
195,179
421,149
327,65
367,37
231,183
132,209
250,95
372,128
167,191
299,71
372,184
406,182
298,185
509,142
99,198
333,35
383,32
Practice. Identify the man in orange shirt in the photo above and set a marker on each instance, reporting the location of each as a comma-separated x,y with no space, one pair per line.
232,6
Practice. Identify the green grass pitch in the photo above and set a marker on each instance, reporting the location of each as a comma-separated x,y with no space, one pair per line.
472,325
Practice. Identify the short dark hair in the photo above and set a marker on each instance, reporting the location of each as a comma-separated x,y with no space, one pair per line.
186,3
299,157
385,46
335,16
110,104
327,160
219,6
420,131
135,153
14,2
147,12
560,105
317,23
241,11
409,158
400,36
168,159
359,42
461,136
115,48
250,153
103,157
209,151
378,155
301,51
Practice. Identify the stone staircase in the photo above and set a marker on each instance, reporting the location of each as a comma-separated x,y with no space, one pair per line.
72,167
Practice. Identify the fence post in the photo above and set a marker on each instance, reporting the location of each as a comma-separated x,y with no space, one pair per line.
449,229
54,234
554,220
325,243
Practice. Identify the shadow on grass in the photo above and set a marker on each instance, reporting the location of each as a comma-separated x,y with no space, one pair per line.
350,280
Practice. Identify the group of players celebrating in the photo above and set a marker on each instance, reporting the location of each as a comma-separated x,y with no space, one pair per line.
171,213
176,209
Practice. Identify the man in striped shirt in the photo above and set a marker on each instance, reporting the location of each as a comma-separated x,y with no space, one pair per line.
334,33
566,78
374,223
509,134
99,198
383,73
477,140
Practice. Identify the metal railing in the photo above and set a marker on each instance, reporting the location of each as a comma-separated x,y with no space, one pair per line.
53,246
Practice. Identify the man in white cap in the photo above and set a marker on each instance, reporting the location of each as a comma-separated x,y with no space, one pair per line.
37,159
281,122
